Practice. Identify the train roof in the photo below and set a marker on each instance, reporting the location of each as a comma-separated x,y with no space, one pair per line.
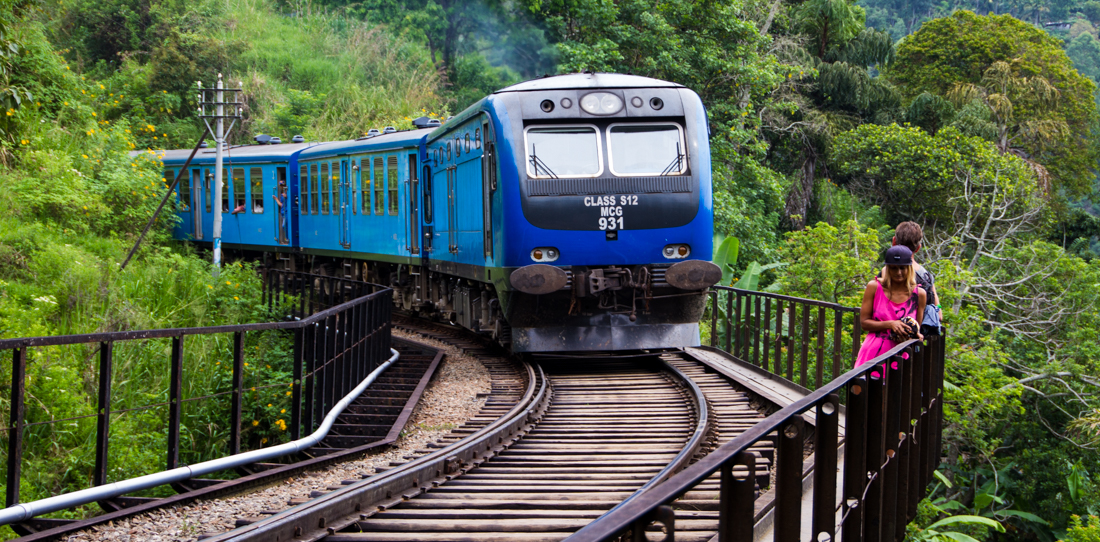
396,140
588,80
239,154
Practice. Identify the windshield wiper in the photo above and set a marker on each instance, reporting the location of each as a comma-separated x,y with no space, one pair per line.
538,163
677,164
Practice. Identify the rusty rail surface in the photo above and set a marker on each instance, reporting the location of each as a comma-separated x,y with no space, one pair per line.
332,349
891,441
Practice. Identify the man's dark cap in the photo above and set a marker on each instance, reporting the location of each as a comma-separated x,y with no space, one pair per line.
899,255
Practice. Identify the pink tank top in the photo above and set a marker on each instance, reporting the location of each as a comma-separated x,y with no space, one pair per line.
883,310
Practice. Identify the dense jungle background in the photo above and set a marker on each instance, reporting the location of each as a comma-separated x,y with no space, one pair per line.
832,121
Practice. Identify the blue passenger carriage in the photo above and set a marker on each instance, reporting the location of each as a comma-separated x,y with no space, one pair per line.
255,203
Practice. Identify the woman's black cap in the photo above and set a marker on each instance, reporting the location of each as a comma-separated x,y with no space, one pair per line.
899,255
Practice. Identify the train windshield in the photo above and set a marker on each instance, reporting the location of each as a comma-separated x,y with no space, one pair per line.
646,149
563,151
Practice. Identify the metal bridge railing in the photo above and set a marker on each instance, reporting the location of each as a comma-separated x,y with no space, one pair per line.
804,341
889,433
333,349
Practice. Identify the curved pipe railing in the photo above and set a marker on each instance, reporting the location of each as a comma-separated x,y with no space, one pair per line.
24,511
891,447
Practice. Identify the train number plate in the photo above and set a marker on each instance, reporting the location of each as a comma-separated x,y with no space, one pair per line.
611,209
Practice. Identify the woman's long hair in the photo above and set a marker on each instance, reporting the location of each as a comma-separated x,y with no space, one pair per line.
910,277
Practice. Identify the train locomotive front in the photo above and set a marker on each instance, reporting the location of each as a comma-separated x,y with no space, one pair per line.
607,220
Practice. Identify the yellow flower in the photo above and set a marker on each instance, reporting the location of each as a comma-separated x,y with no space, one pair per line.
66,103
93,114
288,394
101,87
283,411
269,405
263,440
209,286
255,423
85,156
246,365
85,207
236,298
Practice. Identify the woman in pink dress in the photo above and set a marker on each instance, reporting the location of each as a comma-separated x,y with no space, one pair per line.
889,298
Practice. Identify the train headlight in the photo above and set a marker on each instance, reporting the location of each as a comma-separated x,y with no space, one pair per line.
677,252
545,254
602,103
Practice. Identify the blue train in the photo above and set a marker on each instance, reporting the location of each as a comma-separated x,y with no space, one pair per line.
566,213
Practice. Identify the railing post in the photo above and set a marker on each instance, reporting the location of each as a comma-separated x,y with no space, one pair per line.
735,499
876,414
738,345
913,426
15,423
805,345
103,414
713,317
729,323
296,387
825,443
820,364
310,383
788,475
791,318
175,407
894,408
855,468
857,335
838,324
756,330
765,362
238,394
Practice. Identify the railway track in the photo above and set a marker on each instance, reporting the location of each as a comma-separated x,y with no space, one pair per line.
543,460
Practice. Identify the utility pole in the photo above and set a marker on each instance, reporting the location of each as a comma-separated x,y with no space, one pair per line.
218,98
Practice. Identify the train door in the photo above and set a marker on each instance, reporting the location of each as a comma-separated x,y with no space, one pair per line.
452,213
282,210
344,203
488,185
426,200
412,243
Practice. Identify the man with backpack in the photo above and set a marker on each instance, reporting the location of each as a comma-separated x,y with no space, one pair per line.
909,235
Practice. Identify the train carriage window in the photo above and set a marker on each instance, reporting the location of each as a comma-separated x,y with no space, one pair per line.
256,175
336,187
303,184
467,143
315,189
353,182
379,187
563,151
364,186
477,138
183,190
326,189
391,182
239,195
207,180
646,149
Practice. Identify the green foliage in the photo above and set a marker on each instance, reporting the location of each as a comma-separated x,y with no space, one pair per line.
830,263
1083,531
960,49
915,176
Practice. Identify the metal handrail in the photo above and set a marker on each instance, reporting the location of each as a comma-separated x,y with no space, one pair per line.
638,512
29,510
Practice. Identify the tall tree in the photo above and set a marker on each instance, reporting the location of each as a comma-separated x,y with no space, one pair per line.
834,92
959,51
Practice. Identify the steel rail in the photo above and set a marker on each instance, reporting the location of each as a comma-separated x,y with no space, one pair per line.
690,447
328,513
23,511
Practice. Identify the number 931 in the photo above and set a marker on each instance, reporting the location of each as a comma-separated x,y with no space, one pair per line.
611,223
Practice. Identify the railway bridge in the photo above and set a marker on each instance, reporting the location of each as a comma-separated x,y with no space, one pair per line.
828,452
